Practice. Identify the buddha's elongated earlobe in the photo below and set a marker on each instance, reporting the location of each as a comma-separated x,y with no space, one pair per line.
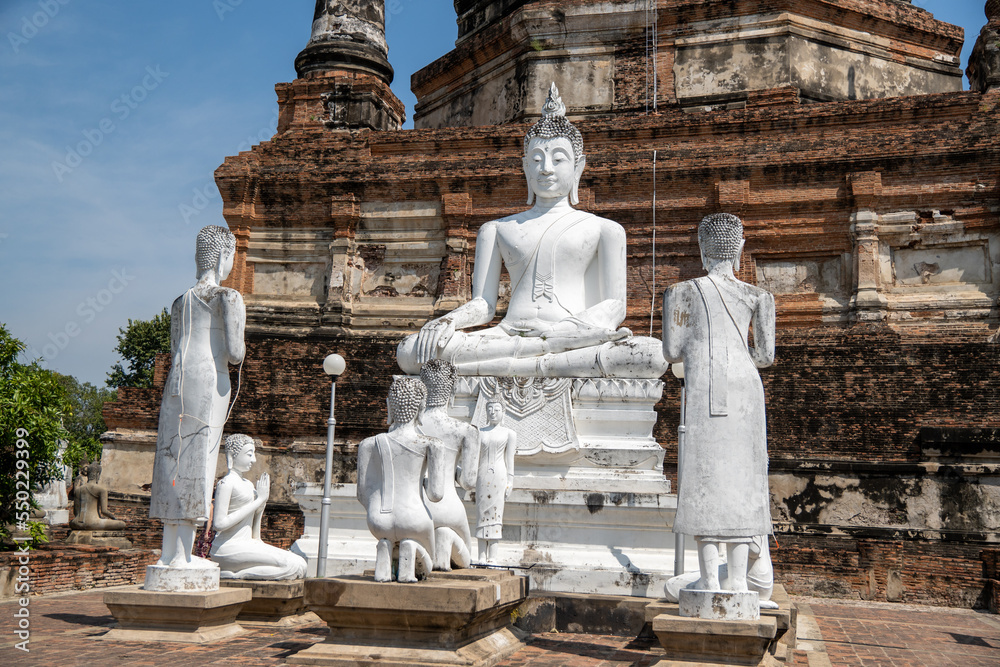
527,178
574,196
739,253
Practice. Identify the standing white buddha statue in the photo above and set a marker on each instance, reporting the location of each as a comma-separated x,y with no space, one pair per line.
723,500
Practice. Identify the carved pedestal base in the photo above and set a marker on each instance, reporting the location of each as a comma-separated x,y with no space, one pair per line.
765,642
274,603
457,618
588,474
99,538
193,618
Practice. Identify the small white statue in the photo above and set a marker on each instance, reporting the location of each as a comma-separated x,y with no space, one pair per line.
568,282
206,336
495,479
723,500
460,441
391,469
239,507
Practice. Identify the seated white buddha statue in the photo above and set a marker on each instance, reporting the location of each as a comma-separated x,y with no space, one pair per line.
567,282
239,507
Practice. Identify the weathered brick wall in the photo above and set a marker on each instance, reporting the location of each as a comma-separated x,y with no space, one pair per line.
883,570
57,568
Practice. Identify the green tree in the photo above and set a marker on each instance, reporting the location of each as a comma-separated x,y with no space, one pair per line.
138,344
85,423
33,406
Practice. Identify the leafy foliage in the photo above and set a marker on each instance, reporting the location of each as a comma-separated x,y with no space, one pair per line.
33,406
138,344
85,423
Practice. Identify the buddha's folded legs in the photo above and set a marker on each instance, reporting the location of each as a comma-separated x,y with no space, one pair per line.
635,357
499,354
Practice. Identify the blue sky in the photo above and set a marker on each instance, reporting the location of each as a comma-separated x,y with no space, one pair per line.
115,116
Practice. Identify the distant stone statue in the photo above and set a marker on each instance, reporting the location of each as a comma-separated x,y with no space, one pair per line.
567,276
239,507
52,496
90,503
494,480
391,470
460,449
206,336
723,500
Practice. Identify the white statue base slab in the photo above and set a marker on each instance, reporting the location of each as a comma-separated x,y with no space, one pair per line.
202,577
190,618
57,517
720,605
575,540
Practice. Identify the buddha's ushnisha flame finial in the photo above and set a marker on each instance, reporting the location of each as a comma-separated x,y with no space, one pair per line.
553,105
553,124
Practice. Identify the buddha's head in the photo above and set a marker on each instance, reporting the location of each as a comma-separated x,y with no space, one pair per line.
553,154
406,397
93,472
216,249
240,452
439,377
495,410
720,237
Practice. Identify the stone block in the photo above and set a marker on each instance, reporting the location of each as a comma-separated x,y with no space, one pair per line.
720,605
100,538
194,618
275,603
457,618
710,641
721,643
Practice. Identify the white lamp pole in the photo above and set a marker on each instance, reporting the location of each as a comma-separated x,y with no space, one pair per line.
334,366
678,371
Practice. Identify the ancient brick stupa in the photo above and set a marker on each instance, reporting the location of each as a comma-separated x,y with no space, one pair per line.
838,131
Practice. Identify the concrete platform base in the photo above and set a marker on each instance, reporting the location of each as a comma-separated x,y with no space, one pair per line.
694,641
192,618
451,618
275,603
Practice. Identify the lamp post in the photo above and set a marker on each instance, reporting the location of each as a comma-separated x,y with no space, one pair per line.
678,371
334,366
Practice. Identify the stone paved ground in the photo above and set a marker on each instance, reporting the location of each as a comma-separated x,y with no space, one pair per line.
831,634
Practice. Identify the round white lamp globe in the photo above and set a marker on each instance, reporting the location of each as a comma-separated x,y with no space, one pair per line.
677,370
334,365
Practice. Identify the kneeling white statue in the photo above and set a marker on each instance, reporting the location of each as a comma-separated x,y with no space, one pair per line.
723,500
390,480
239,507
460,449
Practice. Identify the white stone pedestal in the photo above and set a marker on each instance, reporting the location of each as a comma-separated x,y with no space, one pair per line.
593,516
719,605
55,517
202,578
